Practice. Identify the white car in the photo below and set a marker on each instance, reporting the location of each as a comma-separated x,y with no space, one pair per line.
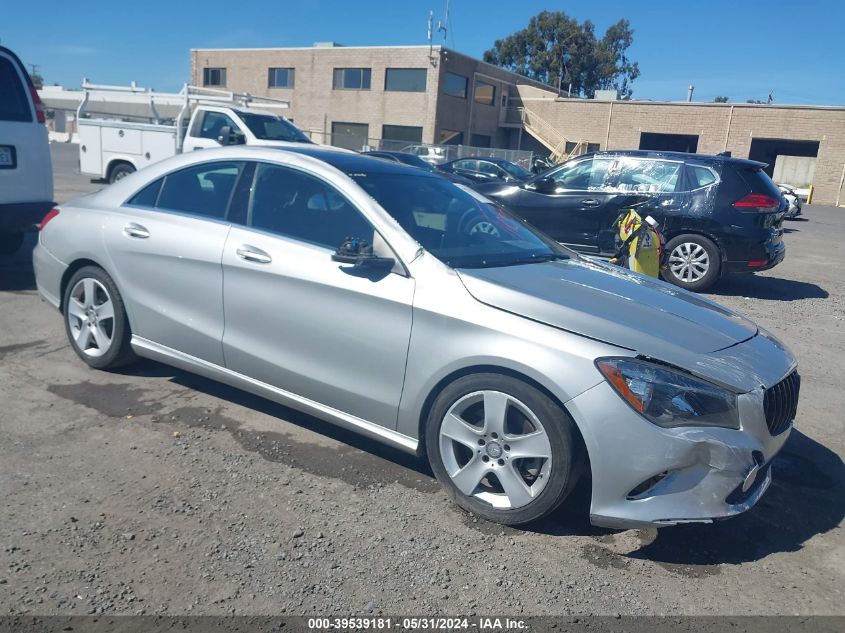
26,171
792,198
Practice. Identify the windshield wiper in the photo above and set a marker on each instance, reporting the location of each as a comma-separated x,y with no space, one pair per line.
536,259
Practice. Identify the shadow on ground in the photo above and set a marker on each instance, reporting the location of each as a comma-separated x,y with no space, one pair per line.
806,498
16,271
770,288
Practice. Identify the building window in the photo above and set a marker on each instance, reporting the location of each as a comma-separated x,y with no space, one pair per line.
409,133
280,77
351,79
350,135
213,76
485,93
405,79
455,85
450,137
480,140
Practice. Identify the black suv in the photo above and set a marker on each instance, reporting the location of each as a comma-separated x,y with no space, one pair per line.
719,214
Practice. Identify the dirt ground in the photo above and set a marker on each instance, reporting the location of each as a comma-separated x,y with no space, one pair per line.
155,491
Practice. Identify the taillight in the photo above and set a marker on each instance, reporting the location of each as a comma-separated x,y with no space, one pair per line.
36,100
52,213
757,202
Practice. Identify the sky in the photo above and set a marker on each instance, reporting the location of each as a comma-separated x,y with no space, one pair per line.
742,49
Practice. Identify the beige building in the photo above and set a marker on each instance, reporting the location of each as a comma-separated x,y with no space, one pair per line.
354,96
398,95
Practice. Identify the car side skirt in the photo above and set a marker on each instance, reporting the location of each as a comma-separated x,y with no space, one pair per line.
149,349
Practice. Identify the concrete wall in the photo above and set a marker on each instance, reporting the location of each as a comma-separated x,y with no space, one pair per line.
795,170
720,127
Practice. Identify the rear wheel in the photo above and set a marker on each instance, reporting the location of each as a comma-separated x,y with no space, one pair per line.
121,170
95,319
502,449
693,262
10,243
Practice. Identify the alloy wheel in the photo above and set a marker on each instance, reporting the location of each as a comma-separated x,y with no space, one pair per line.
90,315
495,449
689,262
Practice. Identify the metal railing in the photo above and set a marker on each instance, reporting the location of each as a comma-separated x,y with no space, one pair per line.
561,147
432,152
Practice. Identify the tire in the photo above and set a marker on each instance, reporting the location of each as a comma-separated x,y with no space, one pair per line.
121,170
520,490
693,262
10,243
98,334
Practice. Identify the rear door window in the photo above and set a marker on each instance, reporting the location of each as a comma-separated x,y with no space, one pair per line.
14,102
645,175
200,190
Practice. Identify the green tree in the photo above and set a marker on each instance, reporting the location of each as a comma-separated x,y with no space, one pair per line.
37,80
720,99
556,49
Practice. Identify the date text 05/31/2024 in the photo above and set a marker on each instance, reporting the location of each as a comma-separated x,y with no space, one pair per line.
416,623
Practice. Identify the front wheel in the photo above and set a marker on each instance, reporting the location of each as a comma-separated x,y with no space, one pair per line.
95,319
120,171
693,262
502,449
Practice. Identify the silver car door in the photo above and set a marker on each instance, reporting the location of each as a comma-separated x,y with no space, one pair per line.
166,244
301,322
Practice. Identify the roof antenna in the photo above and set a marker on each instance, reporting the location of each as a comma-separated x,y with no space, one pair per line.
443,25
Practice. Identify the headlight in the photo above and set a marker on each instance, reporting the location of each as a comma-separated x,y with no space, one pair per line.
667,397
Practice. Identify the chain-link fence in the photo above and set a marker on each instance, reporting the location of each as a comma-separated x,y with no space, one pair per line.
431,152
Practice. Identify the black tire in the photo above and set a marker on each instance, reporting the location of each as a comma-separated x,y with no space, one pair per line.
707,279
566,451
10,243
121,170
120,351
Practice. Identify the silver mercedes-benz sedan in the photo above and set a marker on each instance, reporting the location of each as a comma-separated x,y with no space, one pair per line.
416,312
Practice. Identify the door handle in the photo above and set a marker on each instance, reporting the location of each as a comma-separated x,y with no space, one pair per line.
136,230
252,254
590,202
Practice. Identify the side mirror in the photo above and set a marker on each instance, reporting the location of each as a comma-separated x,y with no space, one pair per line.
543,185
360,254
228,136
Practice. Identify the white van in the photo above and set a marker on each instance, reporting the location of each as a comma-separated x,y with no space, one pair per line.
26,171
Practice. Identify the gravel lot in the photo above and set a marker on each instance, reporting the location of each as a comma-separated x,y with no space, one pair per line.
155,491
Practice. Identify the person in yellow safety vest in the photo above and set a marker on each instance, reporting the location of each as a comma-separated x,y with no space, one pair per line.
642,244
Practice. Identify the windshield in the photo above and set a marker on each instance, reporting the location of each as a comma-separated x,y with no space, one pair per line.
267,127
455,224
515,170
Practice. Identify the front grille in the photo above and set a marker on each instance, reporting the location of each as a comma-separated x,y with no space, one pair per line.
780,403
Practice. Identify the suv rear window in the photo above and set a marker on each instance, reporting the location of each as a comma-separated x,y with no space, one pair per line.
14,103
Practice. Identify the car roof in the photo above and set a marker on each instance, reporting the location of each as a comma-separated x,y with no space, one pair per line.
684,156
347,162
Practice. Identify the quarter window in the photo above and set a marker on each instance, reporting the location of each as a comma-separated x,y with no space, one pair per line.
148,195
296,205
405,79
213,76
280,77
701,176
351,79
200,190
455,85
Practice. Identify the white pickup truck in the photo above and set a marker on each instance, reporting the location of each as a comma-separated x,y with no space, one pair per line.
144,127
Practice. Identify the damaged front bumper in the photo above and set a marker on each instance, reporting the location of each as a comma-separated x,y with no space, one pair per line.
648,476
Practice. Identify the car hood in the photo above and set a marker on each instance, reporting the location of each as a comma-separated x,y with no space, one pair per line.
611,304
